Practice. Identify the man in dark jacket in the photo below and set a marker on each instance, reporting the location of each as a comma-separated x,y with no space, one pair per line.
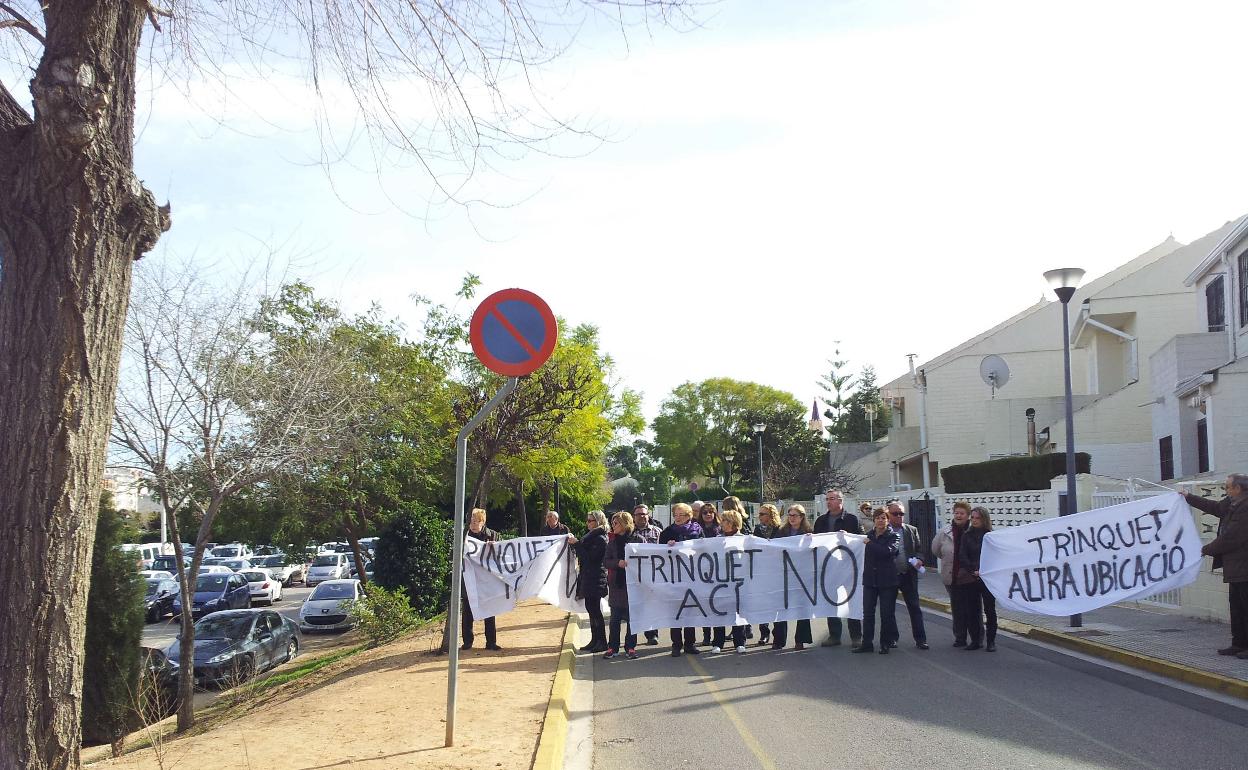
837,519
909,560
1230,554
552,526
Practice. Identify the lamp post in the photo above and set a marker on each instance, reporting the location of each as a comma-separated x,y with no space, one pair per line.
1064,281
758,431
870,410
728,473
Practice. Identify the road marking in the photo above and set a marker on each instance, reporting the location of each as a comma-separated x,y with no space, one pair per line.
750,741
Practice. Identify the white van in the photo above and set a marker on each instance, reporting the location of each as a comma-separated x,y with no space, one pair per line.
328,566
147,552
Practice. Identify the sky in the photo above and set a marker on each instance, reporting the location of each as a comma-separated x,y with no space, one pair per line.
769,184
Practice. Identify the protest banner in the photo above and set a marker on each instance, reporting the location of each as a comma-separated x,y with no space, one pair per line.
1077,563
728,581
500,573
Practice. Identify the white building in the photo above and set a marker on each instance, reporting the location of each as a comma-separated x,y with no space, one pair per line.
131,491
1200,378
1118,322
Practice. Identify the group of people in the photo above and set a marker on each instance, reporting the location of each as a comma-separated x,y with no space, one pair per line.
895,557
894,560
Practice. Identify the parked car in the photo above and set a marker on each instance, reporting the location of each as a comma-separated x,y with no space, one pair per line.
159,687
146,553
326,608
281,567
264,587
169,563
232,551
214,569
215,592
328,566
231,647
159,599
155,574
238,565
329,547
368,569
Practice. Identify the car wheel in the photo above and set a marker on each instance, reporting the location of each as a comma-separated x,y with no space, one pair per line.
292,649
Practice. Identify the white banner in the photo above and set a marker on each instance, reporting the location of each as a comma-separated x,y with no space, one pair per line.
1077,563
729,581
498,574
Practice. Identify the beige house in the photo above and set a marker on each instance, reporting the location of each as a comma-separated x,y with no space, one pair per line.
945,414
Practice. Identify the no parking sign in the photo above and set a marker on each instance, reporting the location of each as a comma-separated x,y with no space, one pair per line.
513,332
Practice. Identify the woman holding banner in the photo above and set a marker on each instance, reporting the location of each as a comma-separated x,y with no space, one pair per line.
730,526
708,518
617,571
796,526
981,597
879,584
681,529
945,547
767,527
478,531
592,581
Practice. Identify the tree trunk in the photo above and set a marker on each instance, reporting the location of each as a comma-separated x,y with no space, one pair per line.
353,537
186,631
524,516
73,217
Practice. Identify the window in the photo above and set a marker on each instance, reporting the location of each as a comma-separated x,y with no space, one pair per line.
1202,446
1215,304
1165,447
1243,288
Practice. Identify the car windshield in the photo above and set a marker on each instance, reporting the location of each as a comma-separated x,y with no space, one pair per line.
254,577
237,564
325,561
211,583
153,586
330,591
228,551
270,561
217,627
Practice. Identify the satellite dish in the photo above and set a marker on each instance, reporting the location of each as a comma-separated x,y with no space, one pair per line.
995,372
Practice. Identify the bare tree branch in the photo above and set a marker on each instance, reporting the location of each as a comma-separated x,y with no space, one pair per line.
21,22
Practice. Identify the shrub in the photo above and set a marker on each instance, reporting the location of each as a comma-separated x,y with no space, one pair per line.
414,553
115,610
1010,473
382,615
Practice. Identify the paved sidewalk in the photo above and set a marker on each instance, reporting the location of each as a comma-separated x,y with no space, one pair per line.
1156,633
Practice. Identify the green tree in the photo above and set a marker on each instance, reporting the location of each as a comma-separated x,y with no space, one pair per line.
414,553
110,674
837,383
856,426
700,424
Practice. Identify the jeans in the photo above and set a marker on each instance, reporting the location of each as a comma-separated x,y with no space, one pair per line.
780,633
465,627
855,629
688,642
1238,595
738,636
909,590
619,616
887,599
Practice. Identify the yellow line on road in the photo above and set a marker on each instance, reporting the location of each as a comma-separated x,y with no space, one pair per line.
750,741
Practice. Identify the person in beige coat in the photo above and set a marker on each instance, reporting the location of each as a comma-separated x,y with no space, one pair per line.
945,549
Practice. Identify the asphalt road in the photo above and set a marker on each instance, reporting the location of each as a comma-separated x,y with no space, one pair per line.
164,632
1025,705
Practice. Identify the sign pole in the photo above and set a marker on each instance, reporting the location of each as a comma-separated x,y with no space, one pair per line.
457,553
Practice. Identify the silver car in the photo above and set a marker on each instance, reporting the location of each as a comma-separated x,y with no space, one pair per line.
328,566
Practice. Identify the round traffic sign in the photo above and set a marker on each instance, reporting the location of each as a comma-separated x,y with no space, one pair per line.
513,332
693,486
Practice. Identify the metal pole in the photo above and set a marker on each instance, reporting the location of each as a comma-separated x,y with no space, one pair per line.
1072,506
457,551
760,468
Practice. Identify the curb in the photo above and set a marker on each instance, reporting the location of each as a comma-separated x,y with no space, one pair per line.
554,737
1166,668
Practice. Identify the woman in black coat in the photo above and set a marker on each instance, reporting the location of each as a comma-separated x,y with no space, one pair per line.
617,571
796,525
968,558
590,552
879,584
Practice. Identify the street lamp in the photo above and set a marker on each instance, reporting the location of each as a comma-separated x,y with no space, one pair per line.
1063,282
870,410
758,431
728,474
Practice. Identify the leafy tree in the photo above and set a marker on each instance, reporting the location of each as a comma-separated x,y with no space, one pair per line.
414,553
110,676
74,217
700,424
856,427
837,383
794,457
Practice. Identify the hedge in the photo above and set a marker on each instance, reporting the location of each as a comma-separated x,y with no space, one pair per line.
1010,473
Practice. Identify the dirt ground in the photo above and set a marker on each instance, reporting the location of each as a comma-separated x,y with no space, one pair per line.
386,708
